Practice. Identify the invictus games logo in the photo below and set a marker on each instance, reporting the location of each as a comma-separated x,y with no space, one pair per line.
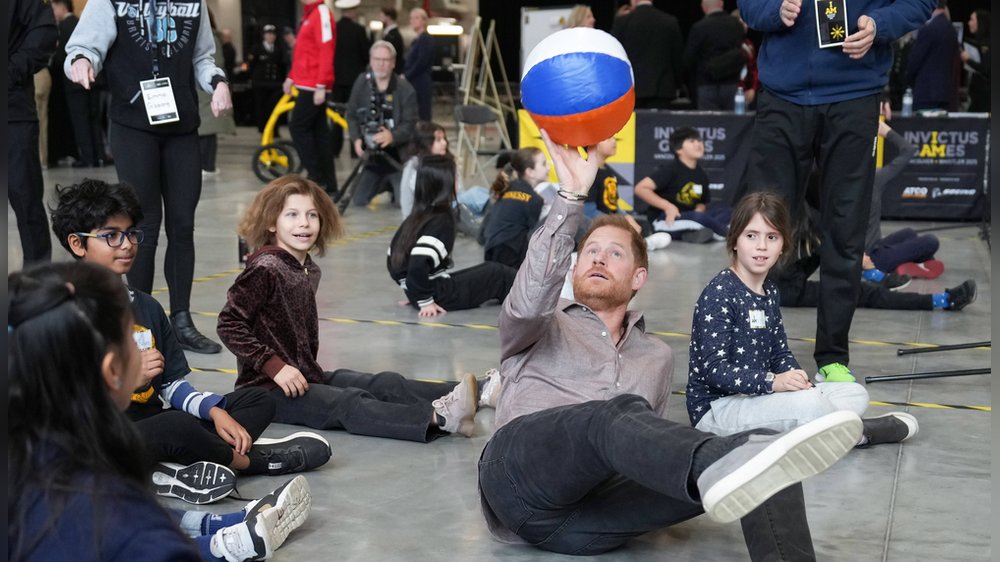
942,144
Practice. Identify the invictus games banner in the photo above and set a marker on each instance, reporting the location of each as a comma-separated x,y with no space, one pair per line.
944,179
727,146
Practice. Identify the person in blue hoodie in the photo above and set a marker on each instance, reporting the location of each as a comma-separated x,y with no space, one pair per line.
819,105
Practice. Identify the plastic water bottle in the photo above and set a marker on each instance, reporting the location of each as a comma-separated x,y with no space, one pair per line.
908,103
740,102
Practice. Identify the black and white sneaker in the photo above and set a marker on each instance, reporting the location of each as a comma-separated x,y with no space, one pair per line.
292,500
253,539
199,483
297,452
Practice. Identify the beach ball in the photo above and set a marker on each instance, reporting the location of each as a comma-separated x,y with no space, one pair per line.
577,85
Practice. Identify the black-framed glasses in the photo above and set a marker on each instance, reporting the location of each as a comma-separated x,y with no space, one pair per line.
116,238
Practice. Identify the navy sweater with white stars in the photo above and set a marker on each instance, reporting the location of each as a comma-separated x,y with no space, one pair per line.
736,339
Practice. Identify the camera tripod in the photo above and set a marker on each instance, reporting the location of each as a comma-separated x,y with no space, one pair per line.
344,195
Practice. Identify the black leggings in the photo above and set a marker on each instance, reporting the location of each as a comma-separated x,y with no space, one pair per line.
176,436
165,172
470,288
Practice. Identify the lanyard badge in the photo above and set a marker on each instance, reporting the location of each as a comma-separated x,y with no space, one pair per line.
831,22
158,96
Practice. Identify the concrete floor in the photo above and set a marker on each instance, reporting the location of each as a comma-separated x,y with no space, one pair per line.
380,499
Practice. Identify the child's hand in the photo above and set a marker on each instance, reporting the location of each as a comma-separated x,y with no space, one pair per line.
152,365
291,381
431,310
230,430
790,381
671,213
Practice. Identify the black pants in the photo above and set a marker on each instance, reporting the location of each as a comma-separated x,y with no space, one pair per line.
839,138
84,113
311,135
385,404
25,191
166,174
510,253
208,146
264,100
902,246
586,478
796,290
472,287
176,436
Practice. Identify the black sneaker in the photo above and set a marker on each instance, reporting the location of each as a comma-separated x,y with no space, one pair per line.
961,296
700,236
297,452
894,427
895,281
199,483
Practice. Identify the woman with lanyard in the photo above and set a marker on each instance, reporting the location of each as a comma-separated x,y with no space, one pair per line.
155,54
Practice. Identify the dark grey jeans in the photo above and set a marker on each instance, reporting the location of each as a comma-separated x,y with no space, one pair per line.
383,404
585,478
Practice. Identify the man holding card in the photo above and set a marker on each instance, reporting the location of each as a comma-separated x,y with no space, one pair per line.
822,69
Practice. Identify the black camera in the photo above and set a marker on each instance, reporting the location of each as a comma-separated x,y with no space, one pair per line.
377,115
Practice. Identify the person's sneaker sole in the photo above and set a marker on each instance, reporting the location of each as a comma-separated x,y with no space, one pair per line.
467,426
293,500
199,483
802,452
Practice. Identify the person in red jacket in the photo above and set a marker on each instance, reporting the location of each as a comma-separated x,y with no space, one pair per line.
312,73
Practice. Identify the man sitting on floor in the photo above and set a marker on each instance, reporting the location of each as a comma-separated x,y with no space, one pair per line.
583,458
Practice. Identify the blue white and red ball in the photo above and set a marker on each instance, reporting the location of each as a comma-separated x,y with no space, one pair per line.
577,84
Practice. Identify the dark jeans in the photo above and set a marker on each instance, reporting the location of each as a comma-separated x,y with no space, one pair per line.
25,191
787,141
586,478
383,404
472,287
311,135
903,246
165,172
264,100
371,178
176,436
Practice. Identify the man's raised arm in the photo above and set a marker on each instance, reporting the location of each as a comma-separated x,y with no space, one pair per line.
532,300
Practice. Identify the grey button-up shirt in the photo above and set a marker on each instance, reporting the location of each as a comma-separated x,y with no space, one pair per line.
556,352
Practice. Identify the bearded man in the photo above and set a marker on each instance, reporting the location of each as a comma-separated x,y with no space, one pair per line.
583,458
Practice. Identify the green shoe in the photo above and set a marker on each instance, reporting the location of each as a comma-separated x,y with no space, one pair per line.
835,372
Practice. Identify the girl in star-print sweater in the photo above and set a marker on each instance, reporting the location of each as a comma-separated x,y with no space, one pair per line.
741,373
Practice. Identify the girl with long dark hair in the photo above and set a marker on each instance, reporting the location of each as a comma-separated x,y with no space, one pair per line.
516,208
77,473
420,252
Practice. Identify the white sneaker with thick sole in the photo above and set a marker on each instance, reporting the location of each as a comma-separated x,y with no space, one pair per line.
458,407
249,540
198,483
491,390
293,501
751,473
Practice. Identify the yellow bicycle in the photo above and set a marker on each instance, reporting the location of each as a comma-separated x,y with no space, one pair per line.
276,158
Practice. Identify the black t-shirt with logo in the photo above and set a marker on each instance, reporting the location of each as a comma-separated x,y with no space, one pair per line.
604,192
682,186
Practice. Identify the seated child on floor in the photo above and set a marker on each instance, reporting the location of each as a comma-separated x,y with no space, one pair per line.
741,373
271,323
420,252
201,438
77,476
678,196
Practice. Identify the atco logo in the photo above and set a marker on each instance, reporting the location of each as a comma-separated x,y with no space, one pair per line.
915,193
950,192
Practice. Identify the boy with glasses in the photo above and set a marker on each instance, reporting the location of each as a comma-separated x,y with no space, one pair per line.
200,438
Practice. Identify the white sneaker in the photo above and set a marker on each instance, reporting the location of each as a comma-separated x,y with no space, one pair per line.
292,500
458,407
198,483
249,540
490,395
658,240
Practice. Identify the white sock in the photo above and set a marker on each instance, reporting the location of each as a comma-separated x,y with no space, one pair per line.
191,523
